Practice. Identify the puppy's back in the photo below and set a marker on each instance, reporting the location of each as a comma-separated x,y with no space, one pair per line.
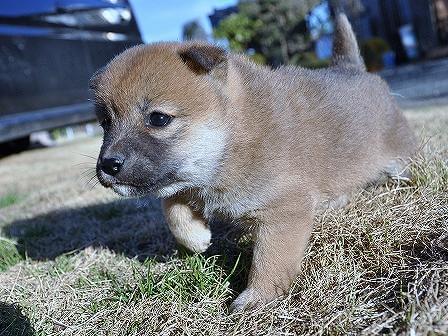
338,127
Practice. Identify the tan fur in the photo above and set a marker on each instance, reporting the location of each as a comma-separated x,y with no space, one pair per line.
266,146
187,225
345,48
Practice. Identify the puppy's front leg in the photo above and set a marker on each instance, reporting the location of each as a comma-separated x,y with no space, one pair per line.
187,225
280,240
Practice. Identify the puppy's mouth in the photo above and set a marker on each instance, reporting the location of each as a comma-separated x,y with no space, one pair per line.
130,190
124,188
163,187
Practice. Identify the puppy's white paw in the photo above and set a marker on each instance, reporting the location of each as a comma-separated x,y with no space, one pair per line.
248,299
196,239
189,229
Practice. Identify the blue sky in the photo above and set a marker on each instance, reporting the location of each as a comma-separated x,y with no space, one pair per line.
163,20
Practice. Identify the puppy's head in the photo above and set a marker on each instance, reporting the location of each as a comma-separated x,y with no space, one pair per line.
161,108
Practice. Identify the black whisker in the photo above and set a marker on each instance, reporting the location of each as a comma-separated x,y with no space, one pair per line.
91,179
87,177
95,184
88,172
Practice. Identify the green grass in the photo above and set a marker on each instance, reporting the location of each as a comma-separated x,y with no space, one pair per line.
95,277
9,256
190,280
431,172
62,264
194,278
9,199
183,281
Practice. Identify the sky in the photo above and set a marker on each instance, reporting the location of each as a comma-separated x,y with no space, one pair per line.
163,20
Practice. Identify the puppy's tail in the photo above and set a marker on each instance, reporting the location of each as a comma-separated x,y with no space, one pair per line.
345,47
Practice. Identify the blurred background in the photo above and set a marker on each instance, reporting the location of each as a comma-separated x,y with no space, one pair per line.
50,48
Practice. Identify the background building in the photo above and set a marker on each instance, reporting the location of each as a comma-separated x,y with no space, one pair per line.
404,22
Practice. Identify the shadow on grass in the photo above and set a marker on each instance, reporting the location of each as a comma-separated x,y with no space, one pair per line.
13,322
129,227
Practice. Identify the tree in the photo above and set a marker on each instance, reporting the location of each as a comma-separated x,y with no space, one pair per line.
193,31
239,30
276,29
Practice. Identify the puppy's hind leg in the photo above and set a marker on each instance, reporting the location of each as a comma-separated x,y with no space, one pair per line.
187,225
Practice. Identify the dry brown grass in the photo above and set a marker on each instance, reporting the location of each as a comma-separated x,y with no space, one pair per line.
79,261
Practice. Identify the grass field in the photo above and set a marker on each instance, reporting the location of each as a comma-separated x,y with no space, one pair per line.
77,260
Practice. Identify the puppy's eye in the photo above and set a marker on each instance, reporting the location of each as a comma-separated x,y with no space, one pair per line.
157,119
102,115
105,122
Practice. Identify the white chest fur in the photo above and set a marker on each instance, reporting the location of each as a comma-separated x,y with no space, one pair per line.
233,204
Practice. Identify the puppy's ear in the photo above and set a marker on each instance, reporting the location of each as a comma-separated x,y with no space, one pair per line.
203,58
95,79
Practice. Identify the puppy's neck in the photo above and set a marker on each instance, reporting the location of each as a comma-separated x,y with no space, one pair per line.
242,180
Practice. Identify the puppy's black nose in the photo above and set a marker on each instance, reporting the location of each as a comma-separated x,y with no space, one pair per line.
111,166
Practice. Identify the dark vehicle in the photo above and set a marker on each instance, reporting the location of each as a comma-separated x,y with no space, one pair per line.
48,51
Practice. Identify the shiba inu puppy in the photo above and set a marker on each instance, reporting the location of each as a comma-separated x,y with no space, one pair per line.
211,132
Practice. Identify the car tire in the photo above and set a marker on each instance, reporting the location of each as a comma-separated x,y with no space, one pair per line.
14,146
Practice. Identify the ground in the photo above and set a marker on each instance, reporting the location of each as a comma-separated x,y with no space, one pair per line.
77,260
